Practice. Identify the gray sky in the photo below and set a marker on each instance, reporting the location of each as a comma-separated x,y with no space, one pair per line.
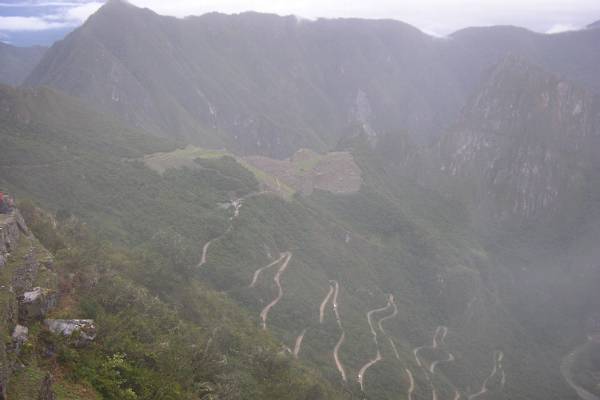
439,17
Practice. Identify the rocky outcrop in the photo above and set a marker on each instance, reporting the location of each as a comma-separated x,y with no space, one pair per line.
525,143
27,293
11,227
37,264
83,331
35,304
19,337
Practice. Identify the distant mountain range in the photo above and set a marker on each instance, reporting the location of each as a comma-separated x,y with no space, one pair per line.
16,63
264,84
595,25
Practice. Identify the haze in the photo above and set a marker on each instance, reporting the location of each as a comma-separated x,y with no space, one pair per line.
207,199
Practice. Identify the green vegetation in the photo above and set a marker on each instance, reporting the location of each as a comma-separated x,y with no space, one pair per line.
192,157
192,344
128,240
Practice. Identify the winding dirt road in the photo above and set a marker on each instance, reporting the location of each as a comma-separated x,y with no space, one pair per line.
443,330
381,321
566,371
436,362
324,303
392,302
298,344
438,339
260,270
361,373
237,205
336,349
411,381
370,363
440,330
336,357
265,312
204,253
498,357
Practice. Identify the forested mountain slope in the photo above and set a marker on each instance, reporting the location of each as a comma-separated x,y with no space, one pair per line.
389,267
264,84
342,208
527,145
160,331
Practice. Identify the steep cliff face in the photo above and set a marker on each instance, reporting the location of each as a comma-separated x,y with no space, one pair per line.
256,83
526,142
269,85
11,227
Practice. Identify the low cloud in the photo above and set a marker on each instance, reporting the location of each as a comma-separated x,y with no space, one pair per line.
558,28
68,14
440,17
23,4
16,24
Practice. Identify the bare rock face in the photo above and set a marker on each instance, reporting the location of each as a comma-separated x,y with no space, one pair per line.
19,337
28,294
82,330
35,304
525,142
11,227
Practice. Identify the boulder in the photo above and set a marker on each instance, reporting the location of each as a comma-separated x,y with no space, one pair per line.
19,337
26,273
11,227
35,304
84,330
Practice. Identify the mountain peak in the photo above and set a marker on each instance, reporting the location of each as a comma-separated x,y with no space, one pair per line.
112,6
117,3
595,25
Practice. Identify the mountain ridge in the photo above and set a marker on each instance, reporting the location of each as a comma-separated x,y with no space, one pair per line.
306,86
322,82
391,237
529,136
594,25
16,63
472,211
